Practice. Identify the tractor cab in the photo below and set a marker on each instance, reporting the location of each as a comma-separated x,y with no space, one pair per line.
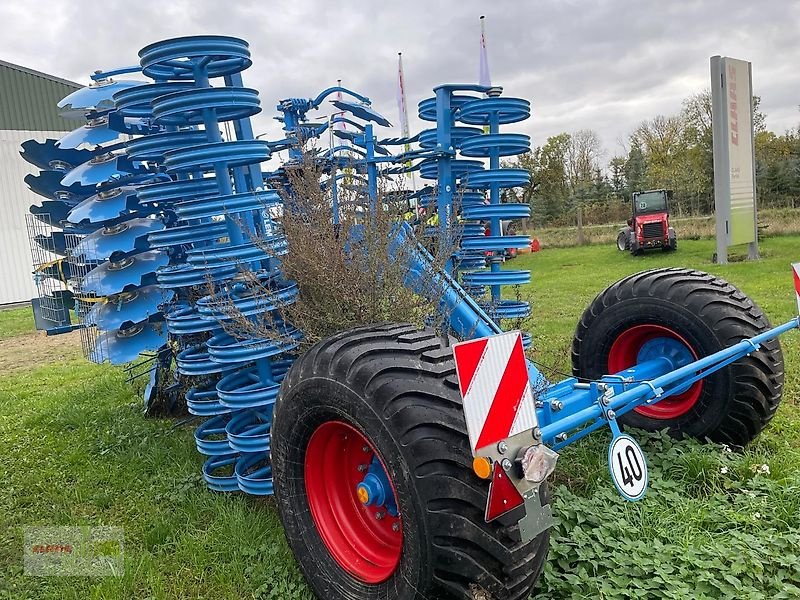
649,225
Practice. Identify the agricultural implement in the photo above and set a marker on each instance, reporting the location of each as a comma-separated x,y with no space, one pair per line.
406,463
649,225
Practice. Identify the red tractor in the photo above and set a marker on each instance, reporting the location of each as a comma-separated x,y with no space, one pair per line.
649,226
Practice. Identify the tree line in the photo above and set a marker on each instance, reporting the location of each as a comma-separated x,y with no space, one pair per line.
673,152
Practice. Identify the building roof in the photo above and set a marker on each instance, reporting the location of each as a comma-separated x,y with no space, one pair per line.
28,99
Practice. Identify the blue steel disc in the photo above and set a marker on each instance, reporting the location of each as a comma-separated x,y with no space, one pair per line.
503,178
429,167
481,110
95,133
116,277
428,137
245,389
153,147
224,348
248,431
123,346
505,211
232,203
196,361
46,155
188,234
183,319
427,107
179,276
503,277
362,111
205,403
48,185
170,191
204,157
101,169
239,254
254,474
211,438
139,305
504,144
137,101
105,206
186,107
51,212
82,229
508,309
213,472
177,58
495,242
247,303
124,237
97,97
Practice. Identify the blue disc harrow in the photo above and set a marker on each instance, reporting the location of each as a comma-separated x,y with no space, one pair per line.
165,232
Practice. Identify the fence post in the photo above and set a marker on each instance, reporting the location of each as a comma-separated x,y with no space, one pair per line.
581,240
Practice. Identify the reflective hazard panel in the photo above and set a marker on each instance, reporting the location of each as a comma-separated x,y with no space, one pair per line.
503,495
495,388
628,467
796,277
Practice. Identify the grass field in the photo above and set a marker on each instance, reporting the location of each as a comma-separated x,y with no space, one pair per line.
774,221
75,450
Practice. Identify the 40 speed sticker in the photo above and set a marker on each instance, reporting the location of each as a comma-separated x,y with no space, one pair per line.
628,467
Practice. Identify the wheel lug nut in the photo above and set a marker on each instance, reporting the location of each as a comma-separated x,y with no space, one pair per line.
362,468
379,515
395,526
365,448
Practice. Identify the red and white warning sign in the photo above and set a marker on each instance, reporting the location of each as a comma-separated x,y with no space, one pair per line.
796,274
495,388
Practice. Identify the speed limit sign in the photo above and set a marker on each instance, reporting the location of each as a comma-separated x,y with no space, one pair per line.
628,467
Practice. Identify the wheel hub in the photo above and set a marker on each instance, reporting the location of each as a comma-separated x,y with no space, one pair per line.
352,501
647,342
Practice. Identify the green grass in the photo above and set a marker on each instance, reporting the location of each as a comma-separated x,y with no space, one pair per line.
75,450
15,321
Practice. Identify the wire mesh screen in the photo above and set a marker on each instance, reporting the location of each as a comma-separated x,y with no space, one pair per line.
50,274
91,343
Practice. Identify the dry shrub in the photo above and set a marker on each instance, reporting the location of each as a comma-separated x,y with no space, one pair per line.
348,275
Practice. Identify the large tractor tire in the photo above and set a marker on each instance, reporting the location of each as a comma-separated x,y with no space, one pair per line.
382,401
623,240
688,314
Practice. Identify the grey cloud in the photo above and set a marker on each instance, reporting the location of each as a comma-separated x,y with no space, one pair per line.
605,65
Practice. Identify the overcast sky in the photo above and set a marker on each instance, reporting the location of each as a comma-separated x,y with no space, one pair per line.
603,65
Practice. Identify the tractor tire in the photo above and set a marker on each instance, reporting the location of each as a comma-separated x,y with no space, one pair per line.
389,391
622,240
686,311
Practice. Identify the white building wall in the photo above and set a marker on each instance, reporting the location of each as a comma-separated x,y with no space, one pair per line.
16,280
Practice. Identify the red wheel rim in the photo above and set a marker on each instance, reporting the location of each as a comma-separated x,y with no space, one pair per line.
366,547
624,353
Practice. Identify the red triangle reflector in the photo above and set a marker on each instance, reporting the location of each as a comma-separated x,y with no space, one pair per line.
503,495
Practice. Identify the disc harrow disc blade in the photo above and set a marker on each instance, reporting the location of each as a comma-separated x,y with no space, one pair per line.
96,97
115,277
124,237
125,345
128,309
48,185
91,135
101,169
47,155
105,206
